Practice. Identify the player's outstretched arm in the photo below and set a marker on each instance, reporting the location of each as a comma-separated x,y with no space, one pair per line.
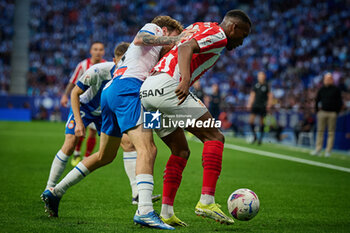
67,91
185,51
79,128
146,39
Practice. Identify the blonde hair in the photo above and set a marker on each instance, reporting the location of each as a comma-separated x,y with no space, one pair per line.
168,22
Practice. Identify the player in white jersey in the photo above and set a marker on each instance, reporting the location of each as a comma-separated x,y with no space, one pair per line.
97,52
167,91
86,109
121,113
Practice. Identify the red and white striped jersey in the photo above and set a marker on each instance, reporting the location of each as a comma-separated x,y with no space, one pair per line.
211,39
80,69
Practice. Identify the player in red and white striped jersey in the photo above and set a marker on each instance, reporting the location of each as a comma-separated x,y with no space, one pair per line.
172,78
211,39
97,52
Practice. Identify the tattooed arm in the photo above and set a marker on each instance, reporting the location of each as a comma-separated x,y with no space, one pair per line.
145,39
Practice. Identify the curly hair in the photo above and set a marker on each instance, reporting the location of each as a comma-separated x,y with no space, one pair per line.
168,22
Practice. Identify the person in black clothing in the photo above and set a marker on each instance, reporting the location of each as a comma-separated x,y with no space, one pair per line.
260,100
215,100
328,104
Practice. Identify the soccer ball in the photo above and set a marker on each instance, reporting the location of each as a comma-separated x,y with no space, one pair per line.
243,204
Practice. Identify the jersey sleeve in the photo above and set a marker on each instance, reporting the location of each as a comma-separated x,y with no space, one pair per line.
152,29
77,73
211,40
89,78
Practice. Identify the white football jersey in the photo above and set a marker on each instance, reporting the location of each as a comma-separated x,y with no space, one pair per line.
139,60
92,82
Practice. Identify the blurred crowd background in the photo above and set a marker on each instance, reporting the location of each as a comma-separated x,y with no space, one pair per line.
294,42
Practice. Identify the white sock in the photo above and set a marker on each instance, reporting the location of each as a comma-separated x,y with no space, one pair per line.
145,190
207,199
76,153
74,176
57,168
130,165
167,211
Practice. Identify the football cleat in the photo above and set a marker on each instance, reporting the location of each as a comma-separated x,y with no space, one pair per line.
174,221
75,160
151,220
51,202
155,198
213,211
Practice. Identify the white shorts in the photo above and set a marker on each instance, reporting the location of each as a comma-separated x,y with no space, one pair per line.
92,126
158,93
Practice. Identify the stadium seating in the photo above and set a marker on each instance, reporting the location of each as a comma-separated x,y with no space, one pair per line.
313,38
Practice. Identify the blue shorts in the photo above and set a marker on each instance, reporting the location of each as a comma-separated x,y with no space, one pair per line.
121,106
87,118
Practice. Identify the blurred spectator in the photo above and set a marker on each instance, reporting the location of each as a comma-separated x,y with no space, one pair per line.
328,105
197,90
292,41
42,114
7,10
271,126
56,115
225,123
306,125
215,100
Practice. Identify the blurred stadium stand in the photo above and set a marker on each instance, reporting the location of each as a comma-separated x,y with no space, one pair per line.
295,42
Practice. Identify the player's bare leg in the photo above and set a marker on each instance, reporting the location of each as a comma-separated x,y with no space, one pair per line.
146,154
213,148
129,158
180,152
60,160
108,149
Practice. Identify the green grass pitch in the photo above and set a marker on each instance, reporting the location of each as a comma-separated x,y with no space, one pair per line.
293,197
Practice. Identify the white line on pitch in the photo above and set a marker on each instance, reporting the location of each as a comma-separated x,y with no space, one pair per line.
286,157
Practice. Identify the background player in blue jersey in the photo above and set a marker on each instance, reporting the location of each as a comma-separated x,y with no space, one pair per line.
85,110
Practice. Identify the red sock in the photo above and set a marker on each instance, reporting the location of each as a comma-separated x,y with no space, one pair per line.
211,162
90,144
172,178
78,146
